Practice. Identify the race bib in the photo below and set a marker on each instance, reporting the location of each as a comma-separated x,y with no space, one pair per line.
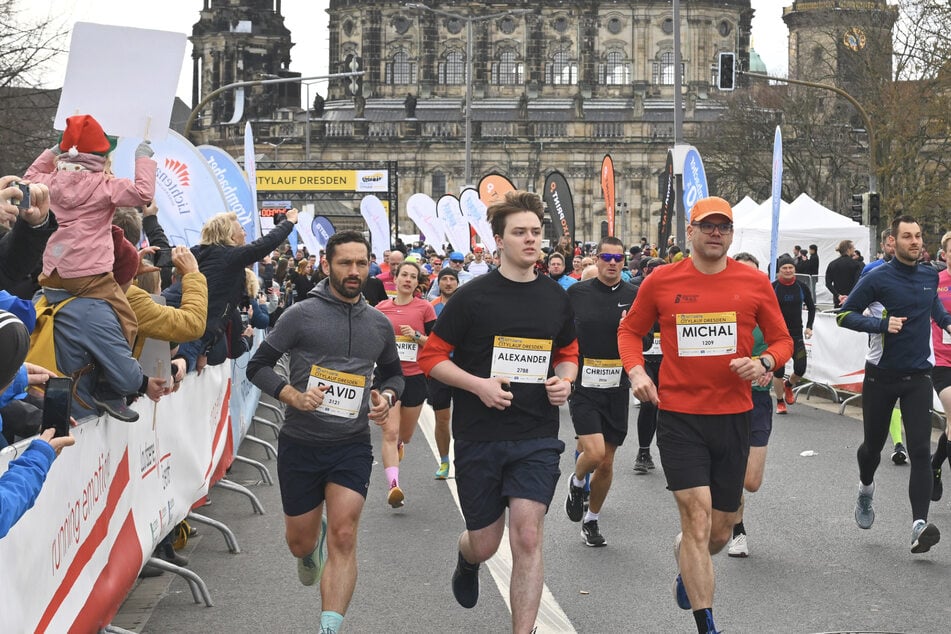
407,348
706,334
655,347
344,397
601,373
521,360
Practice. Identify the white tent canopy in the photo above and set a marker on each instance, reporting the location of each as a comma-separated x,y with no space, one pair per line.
802,222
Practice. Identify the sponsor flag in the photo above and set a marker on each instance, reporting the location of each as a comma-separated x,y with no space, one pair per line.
373,212
187,192
695,181
421,209
234,186
777,192
474,211
668,204
251,172
457,229
557,197
607,187
493,187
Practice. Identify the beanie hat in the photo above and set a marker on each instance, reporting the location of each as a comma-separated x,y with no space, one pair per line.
126,264
14,344
84,134
784,259
450,272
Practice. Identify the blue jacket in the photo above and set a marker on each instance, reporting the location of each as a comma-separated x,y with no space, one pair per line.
904,291
22,482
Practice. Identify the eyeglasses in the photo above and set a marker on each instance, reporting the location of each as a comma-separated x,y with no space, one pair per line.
708,227
611,257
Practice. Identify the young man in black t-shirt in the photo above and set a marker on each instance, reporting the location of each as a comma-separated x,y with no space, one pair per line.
511,335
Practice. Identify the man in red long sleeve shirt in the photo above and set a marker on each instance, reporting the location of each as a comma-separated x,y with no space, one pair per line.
707,306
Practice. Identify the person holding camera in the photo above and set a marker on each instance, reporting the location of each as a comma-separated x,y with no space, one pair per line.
26,225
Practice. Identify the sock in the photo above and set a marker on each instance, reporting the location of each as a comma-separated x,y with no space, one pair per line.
330,622
739,529
894,428
788,384
392,476
941,452
589,516
704,619
444,459
576,482
867,489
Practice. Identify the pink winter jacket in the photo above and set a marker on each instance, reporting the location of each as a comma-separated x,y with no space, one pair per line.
84,202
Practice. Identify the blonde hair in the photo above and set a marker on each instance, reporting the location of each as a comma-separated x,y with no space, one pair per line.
944,241
150,282
251,283
219,229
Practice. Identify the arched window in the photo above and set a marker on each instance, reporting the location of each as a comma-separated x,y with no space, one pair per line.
561,70
664,69
507,71
400,69
452,68
614,71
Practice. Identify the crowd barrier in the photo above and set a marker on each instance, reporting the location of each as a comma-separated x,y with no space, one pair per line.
836,357
109,499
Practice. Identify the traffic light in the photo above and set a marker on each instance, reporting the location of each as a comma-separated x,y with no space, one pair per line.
874,208
726,71
857,210
354,64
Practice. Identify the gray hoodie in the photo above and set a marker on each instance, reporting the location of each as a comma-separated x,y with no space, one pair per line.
325,331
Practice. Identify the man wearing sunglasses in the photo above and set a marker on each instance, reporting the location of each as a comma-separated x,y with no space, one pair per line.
599,405
707,306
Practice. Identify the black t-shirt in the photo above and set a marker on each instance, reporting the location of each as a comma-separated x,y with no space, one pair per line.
791,297
481,310
598,309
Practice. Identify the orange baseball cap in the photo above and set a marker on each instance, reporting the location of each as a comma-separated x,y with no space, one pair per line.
710,206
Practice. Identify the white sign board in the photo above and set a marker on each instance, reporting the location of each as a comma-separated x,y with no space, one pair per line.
124,77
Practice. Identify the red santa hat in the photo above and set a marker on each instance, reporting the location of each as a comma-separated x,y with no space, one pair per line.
84,134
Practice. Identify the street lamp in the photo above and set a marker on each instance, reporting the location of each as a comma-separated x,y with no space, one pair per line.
469,20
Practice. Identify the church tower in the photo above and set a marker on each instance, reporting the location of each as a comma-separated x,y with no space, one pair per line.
241,40
845,43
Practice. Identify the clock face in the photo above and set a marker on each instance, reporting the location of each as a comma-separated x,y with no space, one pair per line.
854,38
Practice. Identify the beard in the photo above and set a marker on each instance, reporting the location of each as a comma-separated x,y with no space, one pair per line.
338,282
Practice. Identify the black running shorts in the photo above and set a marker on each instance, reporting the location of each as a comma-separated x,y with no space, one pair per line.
941,378
440,394
304,471
414,390
705,451
489,473
601,412
761,419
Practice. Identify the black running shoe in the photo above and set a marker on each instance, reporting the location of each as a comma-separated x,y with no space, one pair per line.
465,583
592,536
574,503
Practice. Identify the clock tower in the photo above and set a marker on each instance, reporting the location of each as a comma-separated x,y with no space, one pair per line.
847,43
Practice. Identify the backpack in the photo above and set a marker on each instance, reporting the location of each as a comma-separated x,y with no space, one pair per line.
42,342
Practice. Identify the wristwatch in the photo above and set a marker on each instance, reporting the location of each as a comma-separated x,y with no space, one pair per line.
766,364
390,398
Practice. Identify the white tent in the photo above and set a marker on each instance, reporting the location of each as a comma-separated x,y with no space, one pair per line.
743,208
802,222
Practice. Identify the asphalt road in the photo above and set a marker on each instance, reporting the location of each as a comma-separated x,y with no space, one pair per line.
810,568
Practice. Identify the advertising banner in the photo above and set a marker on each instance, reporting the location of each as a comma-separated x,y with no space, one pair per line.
323,180
695,180
250,173
493,187
777,192
449,212
668,204
421,209
187,192
234,187
607,188
557,197
374,214
474,210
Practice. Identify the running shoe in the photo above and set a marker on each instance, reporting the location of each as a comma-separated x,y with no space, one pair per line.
574,503
864,513
738,546
899,455
924,536
936,487
680,594
399,450
788,395
443,471
781,407
311,567
592,536
465,583
395,497
643,463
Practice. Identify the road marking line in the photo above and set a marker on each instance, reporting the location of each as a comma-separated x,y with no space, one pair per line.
551,618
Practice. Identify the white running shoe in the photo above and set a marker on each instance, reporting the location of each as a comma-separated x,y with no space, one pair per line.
738,546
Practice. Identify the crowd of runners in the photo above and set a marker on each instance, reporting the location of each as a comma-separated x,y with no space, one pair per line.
498,342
